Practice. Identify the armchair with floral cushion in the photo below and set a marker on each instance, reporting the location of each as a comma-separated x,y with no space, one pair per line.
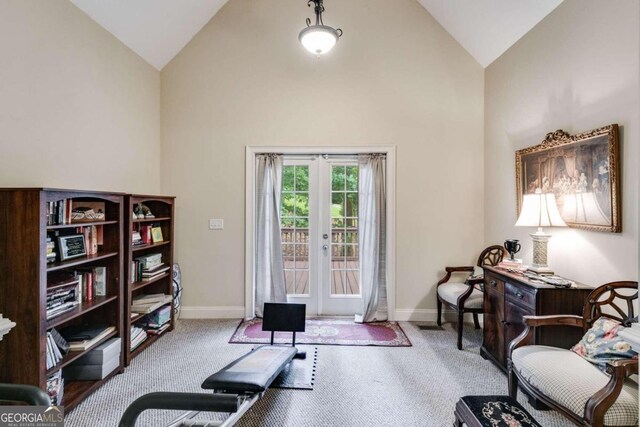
590,384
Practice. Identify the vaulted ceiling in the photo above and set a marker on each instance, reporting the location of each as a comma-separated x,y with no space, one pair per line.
158,29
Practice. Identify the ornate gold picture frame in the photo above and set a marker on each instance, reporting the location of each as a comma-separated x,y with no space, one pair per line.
583,171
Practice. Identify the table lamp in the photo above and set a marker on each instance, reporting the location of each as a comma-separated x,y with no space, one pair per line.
540,210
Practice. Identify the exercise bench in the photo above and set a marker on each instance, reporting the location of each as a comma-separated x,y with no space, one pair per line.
237,386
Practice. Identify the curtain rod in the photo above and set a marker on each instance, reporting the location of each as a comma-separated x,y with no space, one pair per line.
324,155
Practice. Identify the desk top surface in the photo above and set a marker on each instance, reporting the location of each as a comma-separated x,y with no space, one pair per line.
525,280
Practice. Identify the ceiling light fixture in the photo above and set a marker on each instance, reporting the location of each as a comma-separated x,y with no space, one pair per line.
318,38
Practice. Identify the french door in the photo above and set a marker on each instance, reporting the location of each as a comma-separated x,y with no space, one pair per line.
319,222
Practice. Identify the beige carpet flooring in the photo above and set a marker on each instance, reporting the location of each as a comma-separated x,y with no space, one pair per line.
355,386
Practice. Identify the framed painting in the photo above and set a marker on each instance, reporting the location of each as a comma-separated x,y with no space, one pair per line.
582,171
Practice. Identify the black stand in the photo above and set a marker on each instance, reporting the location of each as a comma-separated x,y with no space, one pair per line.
279,317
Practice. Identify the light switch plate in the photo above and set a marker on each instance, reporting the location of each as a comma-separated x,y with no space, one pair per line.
216,224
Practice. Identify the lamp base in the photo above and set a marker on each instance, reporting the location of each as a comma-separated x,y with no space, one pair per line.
539,264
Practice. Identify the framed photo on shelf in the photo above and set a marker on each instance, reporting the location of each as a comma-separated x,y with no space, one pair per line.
582,171
156,234
71,246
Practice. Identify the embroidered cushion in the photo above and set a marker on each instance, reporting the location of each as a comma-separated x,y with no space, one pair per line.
601,343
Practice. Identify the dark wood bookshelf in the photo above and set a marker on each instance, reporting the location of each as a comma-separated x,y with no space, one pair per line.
76,391
163,207
149,246
24,282
80,224
142,284
163,218
75,262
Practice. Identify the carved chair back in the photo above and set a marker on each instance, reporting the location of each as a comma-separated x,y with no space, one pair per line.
613,300
492,256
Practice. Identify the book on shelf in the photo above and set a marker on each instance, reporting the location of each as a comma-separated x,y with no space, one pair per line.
150,261
55,388
148,264
92,239
152,274
159,330
136,239
145,232
92,282
81,337
148,303
156,322
156,234
54,355
62,298
138,335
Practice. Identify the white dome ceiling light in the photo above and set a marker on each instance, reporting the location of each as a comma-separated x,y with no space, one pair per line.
318,38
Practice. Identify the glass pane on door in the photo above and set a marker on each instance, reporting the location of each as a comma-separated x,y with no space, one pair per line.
294,223
345,273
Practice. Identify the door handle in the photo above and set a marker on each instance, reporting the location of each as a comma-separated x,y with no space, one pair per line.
493,283
520,295
325,247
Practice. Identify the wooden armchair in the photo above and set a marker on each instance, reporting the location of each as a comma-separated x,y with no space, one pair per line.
566,382
465,297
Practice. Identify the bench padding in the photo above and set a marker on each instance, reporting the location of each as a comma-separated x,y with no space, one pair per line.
252,373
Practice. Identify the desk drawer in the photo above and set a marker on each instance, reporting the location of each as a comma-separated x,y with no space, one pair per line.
494,284
521,295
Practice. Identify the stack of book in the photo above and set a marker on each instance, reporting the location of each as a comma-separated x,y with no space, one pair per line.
154,272
138,335
97,363
93,282
82,337
51,250
55,388
57,346
93,238
63,297
511,264
136,239
5,326
147,267
144,304
59,212
157,322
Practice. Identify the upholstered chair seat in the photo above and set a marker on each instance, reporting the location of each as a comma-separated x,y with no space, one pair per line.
465,297
450,292
570,380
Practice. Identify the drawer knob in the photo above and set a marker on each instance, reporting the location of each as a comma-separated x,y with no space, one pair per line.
520,295
494,283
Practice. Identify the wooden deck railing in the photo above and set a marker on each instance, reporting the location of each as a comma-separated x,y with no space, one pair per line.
340,246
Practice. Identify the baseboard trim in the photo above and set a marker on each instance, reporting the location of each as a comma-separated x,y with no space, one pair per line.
221,312
429,315
401,314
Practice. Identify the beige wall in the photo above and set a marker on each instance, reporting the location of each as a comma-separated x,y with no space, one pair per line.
577,70
78,109
245,80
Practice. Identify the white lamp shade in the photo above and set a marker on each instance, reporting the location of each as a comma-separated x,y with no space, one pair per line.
318,39
540,210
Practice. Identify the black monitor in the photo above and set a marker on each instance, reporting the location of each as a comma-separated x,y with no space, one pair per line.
283,317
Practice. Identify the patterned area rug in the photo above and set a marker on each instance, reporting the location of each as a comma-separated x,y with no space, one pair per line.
327,331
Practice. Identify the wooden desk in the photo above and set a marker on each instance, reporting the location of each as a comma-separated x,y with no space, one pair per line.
508,297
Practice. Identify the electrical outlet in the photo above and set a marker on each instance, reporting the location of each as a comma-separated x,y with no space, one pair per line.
216,224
